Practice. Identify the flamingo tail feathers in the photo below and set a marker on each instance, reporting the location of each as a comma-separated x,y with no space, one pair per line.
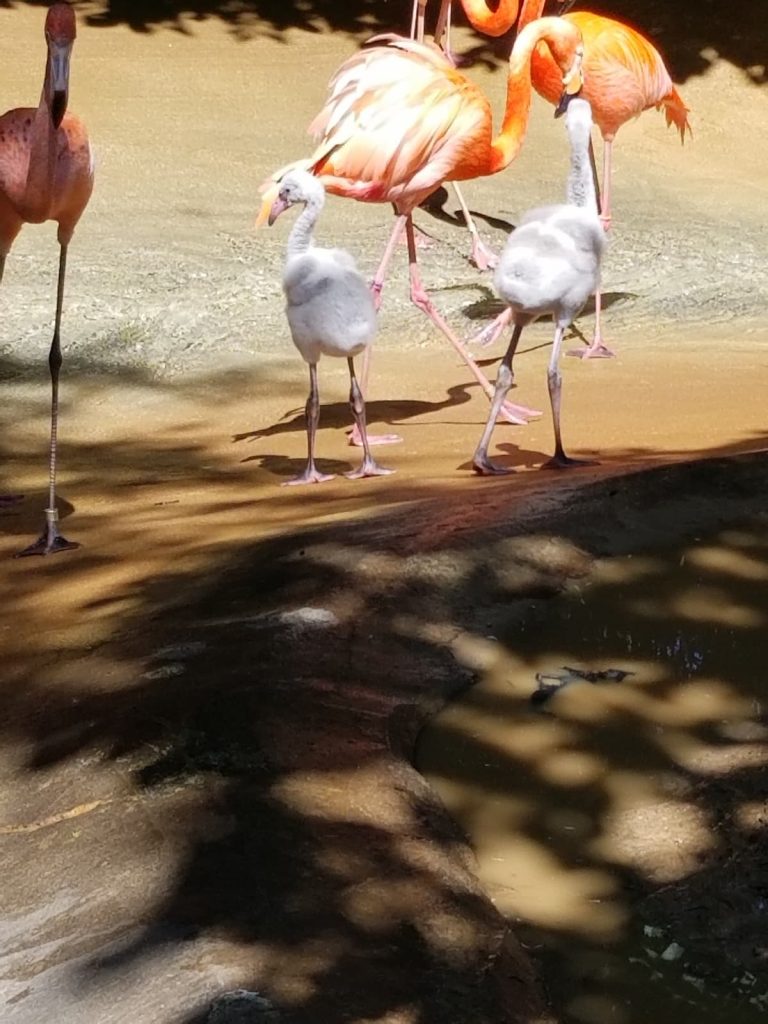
676,113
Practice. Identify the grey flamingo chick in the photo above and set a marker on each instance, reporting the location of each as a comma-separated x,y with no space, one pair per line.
330,312
550,264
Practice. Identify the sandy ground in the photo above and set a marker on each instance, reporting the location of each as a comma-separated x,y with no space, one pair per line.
190,835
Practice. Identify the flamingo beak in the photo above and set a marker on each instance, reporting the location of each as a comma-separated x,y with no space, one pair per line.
59,55
269,194
279,206
573,83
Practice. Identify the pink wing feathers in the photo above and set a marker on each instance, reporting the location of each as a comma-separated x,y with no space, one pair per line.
397,122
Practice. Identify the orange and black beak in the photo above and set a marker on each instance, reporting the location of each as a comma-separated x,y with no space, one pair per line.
573,83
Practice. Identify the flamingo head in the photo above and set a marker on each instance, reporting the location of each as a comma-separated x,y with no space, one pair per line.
297,186
60,32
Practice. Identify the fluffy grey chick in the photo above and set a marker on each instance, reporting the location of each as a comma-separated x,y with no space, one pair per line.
330,312
551,264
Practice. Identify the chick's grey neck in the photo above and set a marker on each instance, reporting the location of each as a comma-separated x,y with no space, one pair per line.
581,182
300,238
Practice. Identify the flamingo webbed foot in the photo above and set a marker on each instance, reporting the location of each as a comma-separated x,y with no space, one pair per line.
491,331
311,475
483,257
368,467
594,351
520,415
356,439
50,542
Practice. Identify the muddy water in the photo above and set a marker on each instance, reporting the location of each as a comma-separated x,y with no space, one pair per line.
616,820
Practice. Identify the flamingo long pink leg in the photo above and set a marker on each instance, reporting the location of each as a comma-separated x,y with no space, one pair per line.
511,413
598,349
483,257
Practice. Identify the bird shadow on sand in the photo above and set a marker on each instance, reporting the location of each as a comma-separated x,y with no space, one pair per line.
284,466
338,414
513,457
436,206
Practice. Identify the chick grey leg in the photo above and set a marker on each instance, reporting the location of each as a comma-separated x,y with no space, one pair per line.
311,474
369,466
554,382
480,461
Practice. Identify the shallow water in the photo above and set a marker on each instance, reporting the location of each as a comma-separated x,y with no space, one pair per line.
617,823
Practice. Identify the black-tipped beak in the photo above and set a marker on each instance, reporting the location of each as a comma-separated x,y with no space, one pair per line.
59,55
58,107
565,99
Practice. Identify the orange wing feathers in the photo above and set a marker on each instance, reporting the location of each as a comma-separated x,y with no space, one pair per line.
390,124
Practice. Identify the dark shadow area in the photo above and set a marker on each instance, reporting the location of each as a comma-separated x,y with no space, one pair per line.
691,36
249,709
642,798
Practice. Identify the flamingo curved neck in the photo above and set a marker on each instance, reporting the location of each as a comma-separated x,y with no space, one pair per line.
506,145
300,239
491,22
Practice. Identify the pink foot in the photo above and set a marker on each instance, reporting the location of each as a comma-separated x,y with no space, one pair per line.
311,475
482,256
355,439
520,415
491,331
597,350
368,467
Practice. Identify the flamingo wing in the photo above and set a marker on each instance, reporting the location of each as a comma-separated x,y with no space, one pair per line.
399,119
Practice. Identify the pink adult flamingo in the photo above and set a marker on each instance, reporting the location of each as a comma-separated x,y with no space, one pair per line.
401,120
46,173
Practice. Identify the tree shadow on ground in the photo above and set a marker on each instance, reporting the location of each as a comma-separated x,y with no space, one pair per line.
240,709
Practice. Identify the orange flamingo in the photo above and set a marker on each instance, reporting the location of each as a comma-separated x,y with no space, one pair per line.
491,23
624,74
46,173
401,120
